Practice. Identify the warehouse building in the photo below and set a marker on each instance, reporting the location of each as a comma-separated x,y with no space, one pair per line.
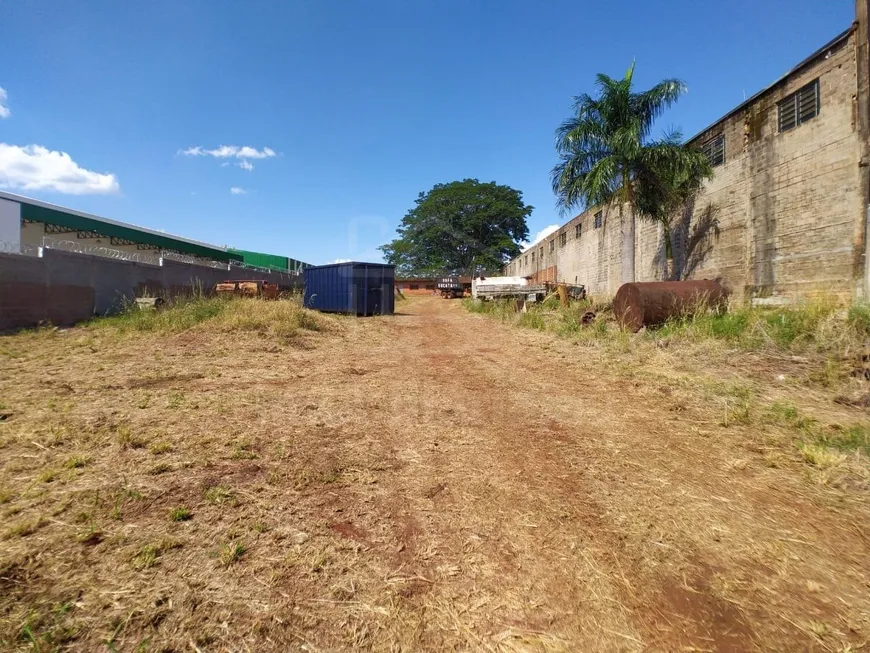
27,225
786,212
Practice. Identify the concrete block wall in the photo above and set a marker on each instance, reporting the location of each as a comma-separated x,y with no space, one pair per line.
29,304
783,215
65,287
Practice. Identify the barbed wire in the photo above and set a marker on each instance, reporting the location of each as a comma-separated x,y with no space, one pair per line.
246,266
151,257
193,260
25,249
99,250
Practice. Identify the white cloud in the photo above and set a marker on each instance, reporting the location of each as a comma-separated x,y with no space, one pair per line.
341,260
34,167
244,164
231,151
4,110
543,233
235,190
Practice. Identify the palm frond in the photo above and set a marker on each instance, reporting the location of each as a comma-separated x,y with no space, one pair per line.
605,150
650,104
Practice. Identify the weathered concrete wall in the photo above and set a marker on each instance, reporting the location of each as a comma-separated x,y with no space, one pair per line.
55,287
783,215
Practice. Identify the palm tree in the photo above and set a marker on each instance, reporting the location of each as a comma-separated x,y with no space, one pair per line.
665,189
607,156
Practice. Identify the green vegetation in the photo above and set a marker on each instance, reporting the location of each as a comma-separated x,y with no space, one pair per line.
231,553
819,326
148,555
606,154
824,447
819,331
460,227
284,318
46,628
852,438
180,514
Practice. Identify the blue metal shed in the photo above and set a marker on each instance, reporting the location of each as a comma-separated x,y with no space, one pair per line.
352,287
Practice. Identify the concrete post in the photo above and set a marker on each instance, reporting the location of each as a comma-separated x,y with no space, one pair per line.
10,226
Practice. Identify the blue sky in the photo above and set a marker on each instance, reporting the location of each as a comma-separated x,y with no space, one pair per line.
348,108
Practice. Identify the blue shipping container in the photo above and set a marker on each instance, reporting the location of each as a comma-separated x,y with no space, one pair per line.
355,288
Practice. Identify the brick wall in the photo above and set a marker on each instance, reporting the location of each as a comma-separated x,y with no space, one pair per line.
783,215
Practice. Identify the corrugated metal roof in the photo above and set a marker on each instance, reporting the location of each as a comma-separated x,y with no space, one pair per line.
108,221
39,211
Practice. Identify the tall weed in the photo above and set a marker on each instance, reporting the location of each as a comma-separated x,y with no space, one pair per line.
283,318
820,326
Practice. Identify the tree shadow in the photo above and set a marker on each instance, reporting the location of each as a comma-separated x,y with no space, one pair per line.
693,236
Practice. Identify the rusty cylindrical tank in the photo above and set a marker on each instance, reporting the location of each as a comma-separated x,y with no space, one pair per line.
653,302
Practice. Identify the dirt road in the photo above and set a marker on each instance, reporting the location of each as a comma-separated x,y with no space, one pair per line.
440,481
533,501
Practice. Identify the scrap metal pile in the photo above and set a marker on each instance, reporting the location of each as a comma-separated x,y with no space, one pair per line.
248,288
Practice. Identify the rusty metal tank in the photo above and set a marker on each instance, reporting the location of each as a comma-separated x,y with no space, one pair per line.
641,304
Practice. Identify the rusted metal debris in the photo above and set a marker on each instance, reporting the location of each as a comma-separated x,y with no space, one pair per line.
248,288
637,305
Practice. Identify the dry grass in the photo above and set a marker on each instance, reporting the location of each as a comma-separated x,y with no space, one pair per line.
818,346
432,481
823,327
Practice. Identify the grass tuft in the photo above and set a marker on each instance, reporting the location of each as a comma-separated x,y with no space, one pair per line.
125,437
77,461
853,438
160,447
220,494
149,554
821,456
180,514
231,552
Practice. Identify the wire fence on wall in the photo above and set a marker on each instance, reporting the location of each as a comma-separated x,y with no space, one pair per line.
152,257
193,260
7,247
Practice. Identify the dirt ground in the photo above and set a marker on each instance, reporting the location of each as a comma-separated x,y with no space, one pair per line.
430,481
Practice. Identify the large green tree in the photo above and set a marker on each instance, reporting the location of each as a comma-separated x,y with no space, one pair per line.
607,155
460,227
